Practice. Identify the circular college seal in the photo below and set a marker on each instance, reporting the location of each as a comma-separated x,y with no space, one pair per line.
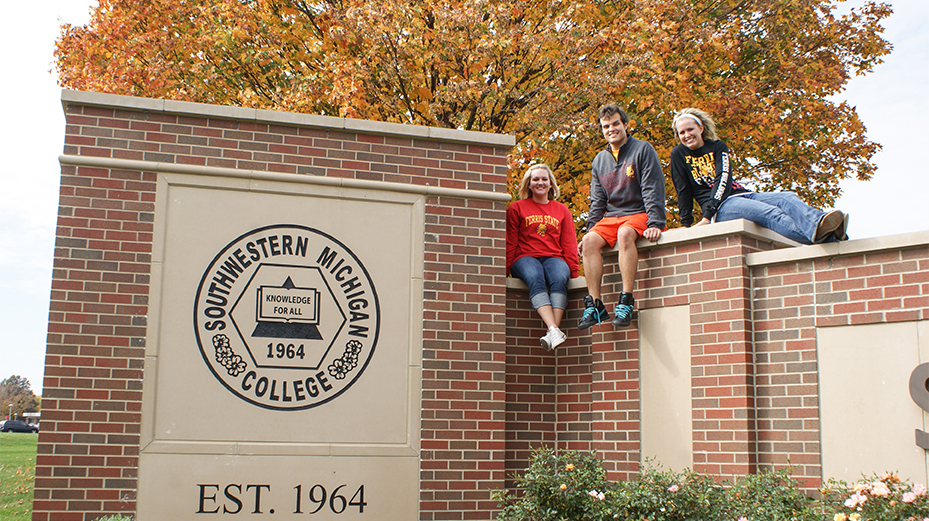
286,317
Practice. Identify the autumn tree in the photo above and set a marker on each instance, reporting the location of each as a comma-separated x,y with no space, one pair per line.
766,69
17,390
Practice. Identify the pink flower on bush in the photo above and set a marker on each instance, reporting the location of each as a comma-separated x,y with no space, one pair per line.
597,494
879,489
673,488
909,497
563,487
856,499
743,518
919,489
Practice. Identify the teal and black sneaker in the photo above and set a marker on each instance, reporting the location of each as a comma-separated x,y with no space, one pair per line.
594,313
623,310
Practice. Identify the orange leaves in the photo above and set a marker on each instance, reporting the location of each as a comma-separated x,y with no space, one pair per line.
535,69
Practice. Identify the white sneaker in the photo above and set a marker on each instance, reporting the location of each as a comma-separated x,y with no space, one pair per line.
546,341
557,337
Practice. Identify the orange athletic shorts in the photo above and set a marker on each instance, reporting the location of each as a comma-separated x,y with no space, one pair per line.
608,227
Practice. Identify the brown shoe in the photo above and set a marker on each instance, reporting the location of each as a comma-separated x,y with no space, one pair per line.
841,233
829,223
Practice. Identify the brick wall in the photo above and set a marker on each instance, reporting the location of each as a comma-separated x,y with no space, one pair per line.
710,277
490,393
540,385
92,391
596,394
89,445
862,282
754,303
463,359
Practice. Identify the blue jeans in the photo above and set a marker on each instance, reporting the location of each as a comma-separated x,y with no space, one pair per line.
547,278
781,212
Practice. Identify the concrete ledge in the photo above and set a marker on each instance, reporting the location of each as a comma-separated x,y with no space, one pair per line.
262,175
232,448
187,108
790,251
683,236
694,234
838,249
517,284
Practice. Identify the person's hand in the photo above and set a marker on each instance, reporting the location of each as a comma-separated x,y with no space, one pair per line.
652,234
580,248
702,222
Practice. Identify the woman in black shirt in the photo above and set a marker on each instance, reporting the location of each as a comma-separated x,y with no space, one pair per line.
700,170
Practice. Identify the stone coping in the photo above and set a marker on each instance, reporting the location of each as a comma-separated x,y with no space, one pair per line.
837,249
677,236
789,251
516,284
262,175
273,117
682,236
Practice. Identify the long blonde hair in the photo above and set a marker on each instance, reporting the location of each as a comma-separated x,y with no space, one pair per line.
553,191
704,119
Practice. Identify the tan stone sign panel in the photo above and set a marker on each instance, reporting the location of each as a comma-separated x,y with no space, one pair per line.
868,416
289,335
665,382
279,487
281,365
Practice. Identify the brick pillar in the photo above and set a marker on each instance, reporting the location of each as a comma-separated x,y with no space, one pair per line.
464,359
614,389
722,365
92,391
710,276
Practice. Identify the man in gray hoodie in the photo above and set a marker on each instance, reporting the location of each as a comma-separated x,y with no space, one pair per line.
626,202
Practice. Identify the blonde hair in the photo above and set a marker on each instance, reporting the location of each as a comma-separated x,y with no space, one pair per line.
553,191
702,118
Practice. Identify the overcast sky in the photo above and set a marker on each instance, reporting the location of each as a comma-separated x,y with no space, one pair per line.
891,101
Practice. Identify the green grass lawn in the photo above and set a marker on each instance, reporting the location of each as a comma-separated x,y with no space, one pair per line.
17,475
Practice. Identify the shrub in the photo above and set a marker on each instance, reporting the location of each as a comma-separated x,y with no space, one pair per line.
565,486
875,498
662,495
572,486
768,495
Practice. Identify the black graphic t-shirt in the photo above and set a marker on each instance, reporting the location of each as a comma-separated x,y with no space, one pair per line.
702,174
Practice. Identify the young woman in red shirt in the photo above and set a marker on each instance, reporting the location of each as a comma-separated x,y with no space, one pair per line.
541,248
